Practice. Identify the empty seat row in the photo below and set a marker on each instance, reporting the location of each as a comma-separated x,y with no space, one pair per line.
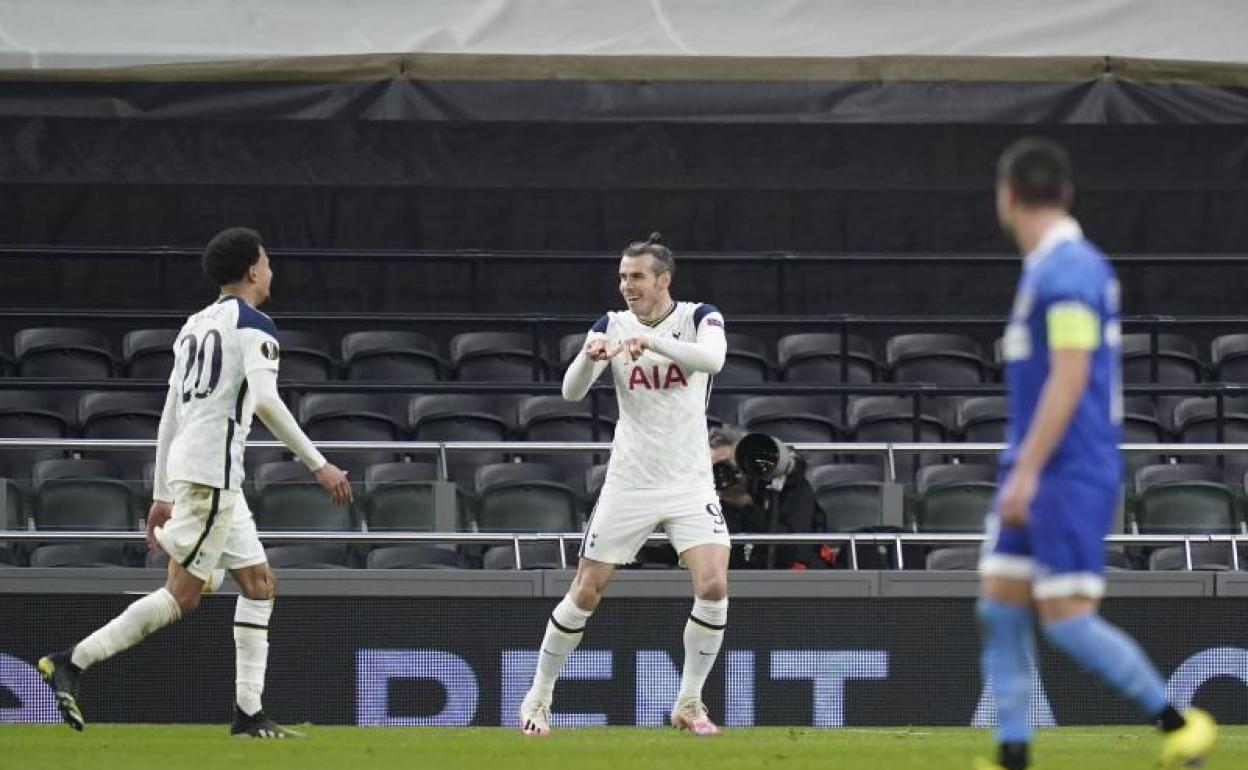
96,494
409,356
402,356
487,418
540,497
374,416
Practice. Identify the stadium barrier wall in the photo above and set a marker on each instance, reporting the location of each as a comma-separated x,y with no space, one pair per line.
389,661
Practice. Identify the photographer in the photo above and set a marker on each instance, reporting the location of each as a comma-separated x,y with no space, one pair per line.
747,497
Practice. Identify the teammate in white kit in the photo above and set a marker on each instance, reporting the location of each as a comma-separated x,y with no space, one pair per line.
662,355
225,370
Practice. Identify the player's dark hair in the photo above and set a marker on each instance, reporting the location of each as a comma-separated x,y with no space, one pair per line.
1038,170
230,253
663,262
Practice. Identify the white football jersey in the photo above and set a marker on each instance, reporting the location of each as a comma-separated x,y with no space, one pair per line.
661,438
214,351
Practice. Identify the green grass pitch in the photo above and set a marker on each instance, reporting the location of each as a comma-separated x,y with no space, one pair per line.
174,747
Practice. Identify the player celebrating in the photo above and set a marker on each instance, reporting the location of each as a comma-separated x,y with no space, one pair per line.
225,370
662,355
1061,467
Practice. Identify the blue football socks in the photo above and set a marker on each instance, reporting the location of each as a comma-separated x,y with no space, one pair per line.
1106,651
1008,660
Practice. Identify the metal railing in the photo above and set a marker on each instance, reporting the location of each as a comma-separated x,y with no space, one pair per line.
890,450
515,539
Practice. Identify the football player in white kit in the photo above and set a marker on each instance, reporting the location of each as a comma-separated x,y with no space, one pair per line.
662,356
225,370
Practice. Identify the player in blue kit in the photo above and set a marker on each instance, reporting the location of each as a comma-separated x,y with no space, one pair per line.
1061,468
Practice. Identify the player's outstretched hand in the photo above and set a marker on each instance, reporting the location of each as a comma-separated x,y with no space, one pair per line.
1014,504
334,481
157,515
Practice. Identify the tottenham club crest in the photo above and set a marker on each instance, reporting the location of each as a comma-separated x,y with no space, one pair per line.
270,350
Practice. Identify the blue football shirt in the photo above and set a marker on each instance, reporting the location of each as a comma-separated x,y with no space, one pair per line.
1067,297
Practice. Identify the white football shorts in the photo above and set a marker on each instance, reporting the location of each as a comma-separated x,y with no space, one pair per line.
623,518
210,528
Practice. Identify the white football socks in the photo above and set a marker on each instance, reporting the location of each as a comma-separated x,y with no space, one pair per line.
563,633
251,648
151,613
704,633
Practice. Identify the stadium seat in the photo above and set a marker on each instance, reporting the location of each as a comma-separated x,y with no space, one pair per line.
981,420
998,356
532,556
800,419
943,359
81,494
147,354
551,418
939,359
72,354
419,556
458,418
1184,498
1196,422
353,417
1229,355
400,496
255,456
570,346
391,356
745,362
79,555
496,357
309,556
888,418
953,498
956,558
1140,426
290,498
14,514
1178,363
595,477
1178,360
850,495
31,414
122,415
306,357
1205,556
525,497
816,358
724,409
790,418
1116,560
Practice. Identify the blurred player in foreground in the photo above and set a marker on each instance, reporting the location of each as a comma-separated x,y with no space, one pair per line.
1061,469
662,356
225,370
